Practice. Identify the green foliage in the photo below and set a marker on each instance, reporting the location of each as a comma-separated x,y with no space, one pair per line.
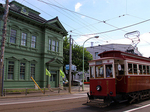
66,50
77,55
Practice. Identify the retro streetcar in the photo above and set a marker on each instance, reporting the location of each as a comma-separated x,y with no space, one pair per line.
118,77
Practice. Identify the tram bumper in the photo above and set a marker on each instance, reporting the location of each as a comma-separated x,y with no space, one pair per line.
104,98
98,101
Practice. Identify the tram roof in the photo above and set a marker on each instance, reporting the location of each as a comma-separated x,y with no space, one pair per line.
114,54
106,58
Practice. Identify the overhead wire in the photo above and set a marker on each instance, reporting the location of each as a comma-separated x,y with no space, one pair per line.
69,17
48,14
83,22
82,15
79,20
118,28
135,16
148,20
126,26
90,25
75,12
107,23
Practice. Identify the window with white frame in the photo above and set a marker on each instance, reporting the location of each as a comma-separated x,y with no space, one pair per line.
57,46
96,54
130,68
24,39
53,45
135,68
99,71
140,69
109,70
49,44
33,71
92,71
148,72
33,42
22,70
13,35
144,69
10,70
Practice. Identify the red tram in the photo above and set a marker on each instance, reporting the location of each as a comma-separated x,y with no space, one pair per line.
119,76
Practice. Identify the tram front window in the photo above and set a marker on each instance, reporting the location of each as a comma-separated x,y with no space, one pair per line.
91,71
99,71
109,71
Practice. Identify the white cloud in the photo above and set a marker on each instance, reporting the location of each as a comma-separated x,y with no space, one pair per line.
94,1
144,44
82,39
120,41
77,6
107,1
144,39
82,16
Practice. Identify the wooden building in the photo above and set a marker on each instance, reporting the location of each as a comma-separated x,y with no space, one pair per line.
32,45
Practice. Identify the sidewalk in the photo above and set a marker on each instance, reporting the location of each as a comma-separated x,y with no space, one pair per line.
55,91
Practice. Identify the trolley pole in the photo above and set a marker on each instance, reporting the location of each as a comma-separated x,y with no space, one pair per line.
3,45
70,64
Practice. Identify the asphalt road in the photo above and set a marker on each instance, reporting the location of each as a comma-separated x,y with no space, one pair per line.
42,104
65,103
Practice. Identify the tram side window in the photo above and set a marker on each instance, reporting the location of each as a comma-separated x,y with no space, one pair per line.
144,69
148,72
92,72
109,71
140,69
129,68
135,68
99,71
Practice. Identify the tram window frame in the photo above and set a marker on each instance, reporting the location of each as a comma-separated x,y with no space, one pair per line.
144,69
140,69
130,68
92,71
98,71
135,68
110,69
148,72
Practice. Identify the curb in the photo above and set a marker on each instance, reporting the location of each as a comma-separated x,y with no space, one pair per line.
40,95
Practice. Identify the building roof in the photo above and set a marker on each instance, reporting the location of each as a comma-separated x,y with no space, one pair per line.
25,13
108,47
30,13
120,55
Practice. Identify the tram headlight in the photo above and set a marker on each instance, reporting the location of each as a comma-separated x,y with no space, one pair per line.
111,93
98,88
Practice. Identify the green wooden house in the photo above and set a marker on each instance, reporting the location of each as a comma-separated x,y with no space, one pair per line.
32,45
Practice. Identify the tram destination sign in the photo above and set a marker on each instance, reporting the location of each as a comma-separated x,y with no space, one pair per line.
98,62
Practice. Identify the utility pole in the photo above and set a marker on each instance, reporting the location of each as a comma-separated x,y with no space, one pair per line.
70,63
3,45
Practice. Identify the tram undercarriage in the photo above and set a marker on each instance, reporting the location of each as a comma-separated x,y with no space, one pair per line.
99,101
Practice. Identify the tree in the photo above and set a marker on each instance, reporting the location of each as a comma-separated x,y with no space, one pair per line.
65,54
77,56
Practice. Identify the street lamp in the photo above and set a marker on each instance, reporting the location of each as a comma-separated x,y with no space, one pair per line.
83,59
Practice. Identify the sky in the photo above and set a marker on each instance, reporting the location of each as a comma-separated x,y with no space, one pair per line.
111,20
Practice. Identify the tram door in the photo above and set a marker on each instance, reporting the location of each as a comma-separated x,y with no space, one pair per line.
119,69
53,79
